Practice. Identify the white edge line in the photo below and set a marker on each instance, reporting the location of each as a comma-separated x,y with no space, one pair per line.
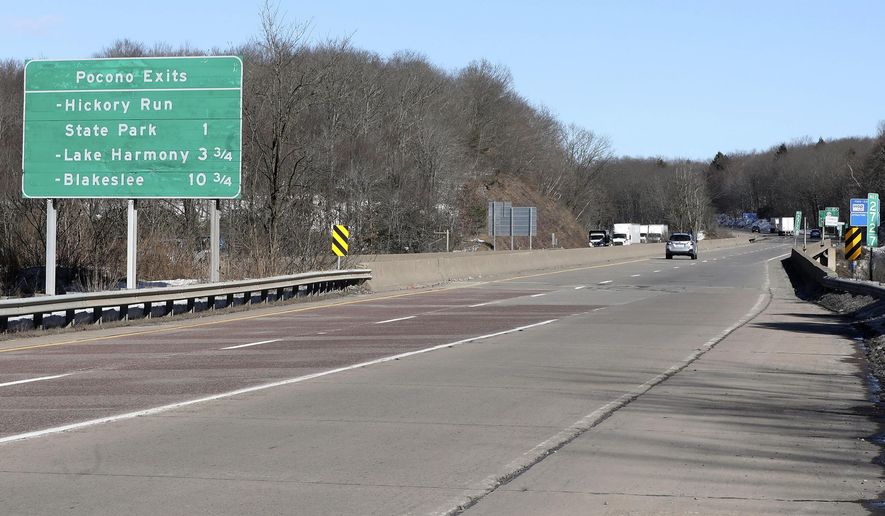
634,275
537,295
19,382
579,287
397,319
252,344
657,270
606,282
256,388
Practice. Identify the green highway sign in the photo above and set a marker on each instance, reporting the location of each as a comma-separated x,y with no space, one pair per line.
828,217
167,127
873,209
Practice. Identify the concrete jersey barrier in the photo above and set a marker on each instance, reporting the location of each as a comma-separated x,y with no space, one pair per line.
393,272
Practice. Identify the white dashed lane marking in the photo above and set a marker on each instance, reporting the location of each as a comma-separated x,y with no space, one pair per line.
252,344
30,380
397,319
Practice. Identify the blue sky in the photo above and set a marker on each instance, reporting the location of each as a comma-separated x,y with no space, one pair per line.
658,78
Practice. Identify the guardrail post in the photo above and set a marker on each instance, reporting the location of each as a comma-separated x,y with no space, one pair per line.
51,223
69,318
146,312
230,301
247,298
170,308
263,297
210,303
97,314
4,323
124,312
191,302
38,321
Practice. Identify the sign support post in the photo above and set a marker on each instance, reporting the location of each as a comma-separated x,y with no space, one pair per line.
805,234
131,244
51,225
215,240
494,231
530,235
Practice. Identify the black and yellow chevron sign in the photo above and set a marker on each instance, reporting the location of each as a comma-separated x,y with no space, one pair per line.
853,242
340,234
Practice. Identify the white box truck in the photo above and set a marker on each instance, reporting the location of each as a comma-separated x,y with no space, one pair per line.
657,233
785,226
626,233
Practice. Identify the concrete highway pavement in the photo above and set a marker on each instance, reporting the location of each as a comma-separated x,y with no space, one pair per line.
265,412
773,420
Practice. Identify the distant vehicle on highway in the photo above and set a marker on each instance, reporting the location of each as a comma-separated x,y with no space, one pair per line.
681,244
625,234
599,238
814,234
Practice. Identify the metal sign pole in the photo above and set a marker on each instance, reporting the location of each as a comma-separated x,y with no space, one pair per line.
531,216
51,221
215,240
131,244
494,229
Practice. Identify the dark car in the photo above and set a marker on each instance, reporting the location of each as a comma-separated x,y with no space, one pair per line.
682,244
814,234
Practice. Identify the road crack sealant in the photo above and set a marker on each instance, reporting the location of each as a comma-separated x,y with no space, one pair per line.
561,439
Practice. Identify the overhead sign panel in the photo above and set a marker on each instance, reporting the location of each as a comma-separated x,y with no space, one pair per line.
133,128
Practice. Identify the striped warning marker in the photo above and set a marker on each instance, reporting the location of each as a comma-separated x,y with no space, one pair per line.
340,234
853,242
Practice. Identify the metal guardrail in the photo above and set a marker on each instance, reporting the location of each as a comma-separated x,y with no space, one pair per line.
807,264
296,285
